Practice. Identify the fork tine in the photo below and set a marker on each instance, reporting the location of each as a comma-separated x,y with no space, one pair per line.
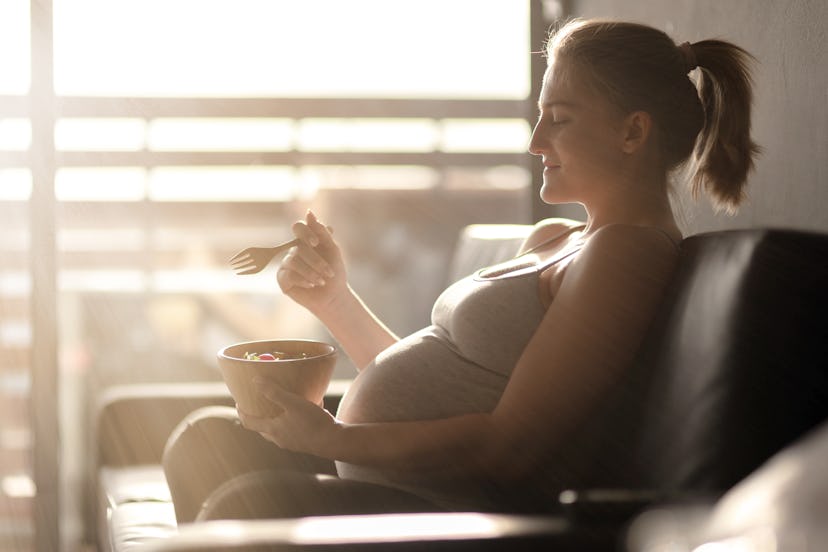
238,256
254,259
241,260
241,264
254,270
245,266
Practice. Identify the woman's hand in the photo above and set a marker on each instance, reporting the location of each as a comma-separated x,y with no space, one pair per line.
301,426
313,273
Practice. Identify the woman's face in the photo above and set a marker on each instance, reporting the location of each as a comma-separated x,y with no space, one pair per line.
578,135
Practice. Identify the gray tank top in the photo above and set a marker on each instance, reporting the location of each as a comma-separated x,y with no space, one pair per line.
460,364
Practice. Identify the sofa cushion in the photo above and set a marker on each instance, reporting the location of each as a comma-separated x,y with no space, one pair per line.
134,484
134,505
134,524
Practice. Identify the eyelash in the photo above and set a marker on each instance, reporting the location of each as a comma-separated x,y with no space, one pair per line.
554,121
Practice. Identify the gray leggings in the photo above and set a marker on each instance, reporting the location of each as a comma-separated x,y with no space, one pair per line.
216,469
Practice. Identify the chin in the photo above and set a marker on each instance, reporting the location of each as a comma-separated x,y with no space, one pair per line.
554,195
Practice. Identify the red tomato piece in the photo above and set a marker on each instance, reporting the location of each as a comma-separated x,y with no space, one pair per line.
266,356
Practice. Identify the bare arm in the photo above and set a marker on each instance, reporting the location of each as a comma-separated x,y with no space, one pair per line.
357,329
586,340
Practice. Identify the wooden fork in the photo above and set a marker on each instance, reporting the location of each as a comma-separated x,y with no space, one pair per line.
254,259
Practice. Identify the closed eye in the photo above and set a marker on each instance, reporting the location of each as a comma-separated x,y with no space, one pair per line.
554,121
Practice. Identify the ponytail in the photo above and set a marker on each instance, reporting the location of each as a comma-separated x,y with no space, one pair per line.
724,153
637,67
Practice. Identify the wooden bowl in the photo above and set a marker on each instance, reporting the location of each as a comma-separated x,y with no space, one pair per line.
306,370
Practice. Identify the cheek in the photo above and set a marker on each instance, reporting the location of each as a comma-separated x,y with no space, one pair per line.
594,151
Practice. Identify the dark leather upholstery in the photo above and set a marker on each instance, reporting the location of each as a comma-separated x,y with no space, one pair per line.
738,358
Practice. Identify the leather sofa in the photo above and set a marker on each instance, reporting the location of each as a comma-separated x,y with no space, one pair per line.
781,506
733,371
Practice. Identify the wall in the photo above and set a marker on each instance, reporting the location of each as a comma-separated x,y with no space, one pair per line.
790,185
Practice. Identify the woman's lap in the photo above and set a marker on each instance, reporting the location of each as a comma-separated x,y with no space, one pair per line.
286,494
210,447
216,469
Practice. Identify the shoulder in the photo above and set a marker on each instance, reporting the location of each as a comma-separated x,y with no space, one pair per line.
620,254
636,240
547,229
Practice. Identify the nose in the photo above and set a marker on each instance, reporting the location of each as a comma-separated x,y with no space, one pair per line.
535,145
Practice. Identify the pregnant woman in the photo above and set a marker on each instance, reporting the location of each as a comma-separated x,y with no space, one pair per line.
479,410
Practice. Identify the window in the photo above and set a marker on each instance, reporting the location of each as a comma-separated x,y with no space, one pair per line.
186,130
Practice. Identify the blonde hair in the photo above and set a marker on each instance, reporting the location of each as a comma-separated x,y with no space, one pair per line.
637,67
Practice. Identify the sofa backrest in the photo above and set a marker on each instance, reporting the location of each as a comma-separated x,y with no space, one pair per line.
734,367
482,245
736,364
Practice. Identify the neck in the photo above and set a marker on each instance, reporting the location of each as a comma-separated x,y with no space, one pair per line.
640,202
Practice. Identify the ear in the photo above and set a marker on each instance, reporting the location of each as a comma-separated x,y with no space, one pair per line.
636,131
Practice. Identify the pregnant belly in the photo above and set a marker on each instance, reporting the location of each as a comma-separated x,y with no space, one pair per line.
421,377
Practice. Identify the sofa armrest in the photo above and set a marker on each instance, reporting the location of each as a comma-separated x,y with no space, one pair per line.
619,505
389,532
585,505
602,516
134,421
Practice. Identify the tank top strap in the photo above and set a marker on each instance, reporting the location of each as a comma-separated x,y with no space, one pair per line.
554,239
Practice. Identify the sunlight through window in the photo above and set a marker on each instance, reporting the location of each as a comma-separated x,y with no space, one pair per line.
17,485
100,184
15,134
265,48
14,47
223,184
485,135
15,184
221,134
100,134
367,135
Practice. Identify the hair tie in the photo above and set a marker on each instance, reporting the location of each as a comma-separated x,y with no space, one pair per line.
689,56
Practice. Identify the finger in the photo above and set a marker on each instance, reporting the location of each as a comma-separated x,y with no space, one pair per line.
313,223
289,279
248,421
302,231
313,259
309,263
284,278
314,262
323,232
259,423
299,272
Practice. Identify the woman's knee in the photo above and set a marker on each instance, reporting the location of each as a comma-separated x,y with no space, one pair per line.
202,432
210,447
214,434
195,457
